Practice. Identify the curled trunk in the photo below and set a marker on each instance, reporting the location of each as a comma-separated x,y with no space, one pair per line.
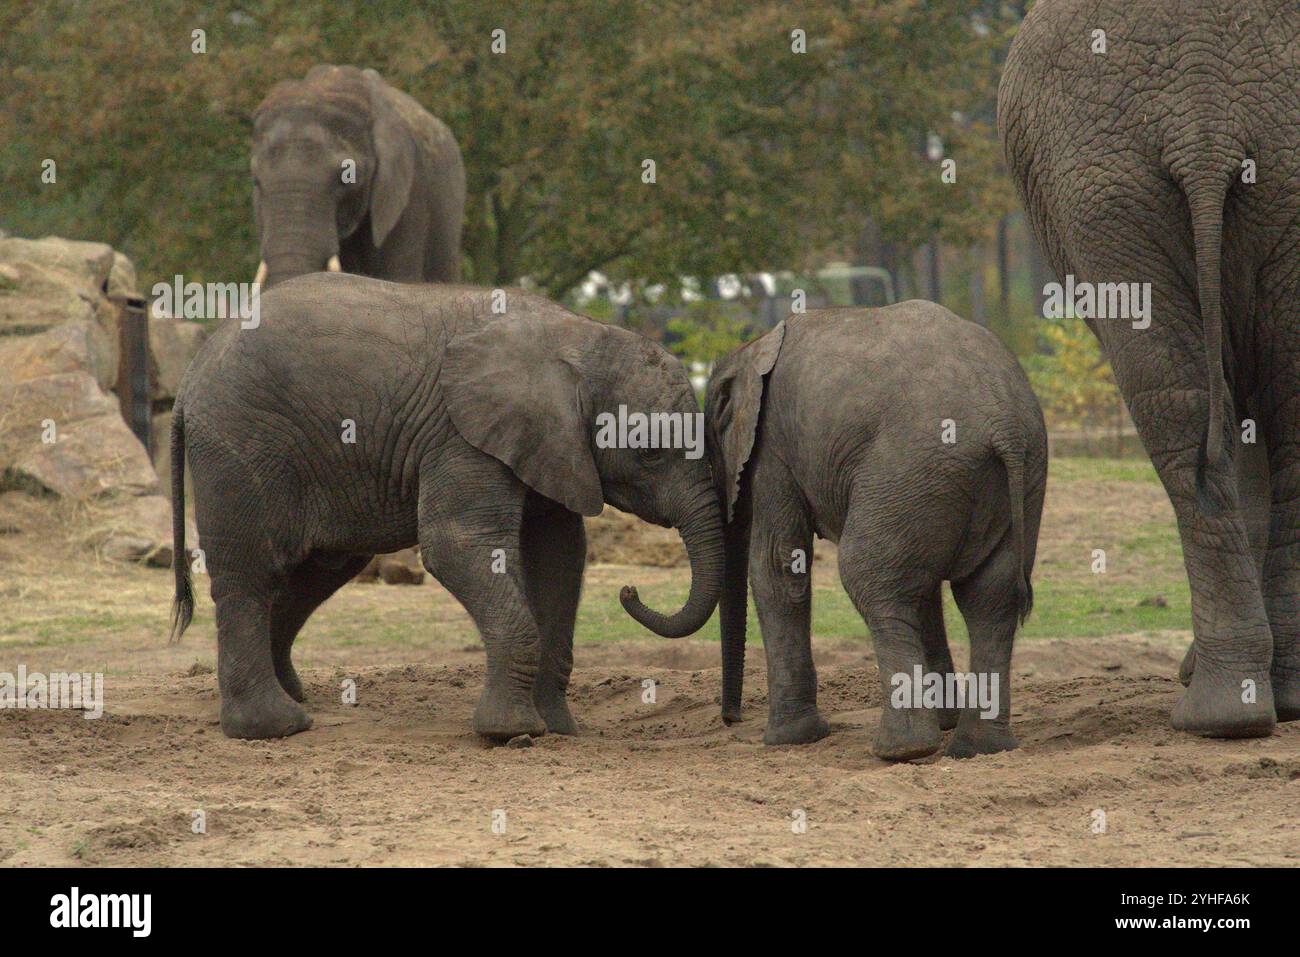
701,531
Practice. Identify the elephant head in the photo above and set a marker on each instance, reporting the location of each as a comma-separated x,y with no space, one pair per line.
546,396
329,152
732,408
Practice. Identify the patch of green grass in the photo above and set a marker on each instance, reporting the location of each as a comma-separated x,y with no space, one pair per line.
1068,601
1079,469
1066,609
71,628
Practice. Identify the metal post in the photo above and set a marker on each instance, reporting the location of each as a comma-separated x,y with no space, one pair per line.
132,386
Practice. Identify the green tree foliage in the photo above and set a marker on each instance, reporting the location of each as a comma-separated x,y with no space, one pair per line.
1072,379
763,156
707,330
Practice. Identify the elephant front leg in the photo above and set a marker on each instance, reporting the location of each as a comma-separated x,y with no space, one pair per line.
475,554
480,579
554,545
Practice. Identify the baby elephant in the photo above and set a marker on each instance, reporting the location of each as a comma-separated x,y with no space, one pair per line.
911,438
359,417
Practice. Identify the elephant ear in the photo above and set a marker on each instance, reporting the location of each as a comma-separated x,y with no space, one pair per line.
734,406
395,153
514,391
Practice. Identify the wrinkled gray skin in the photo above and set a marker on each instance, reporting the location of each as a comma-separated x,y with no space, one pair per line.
832,424
1130,167
474,432
401,218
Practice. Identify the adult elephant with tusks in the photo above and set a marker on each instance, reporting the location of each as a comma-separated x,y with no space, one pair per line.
1157,142
363,416
352,175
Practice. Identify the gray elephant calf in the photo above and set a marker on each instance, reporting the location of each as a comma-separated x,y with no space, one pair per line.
912,439
362,416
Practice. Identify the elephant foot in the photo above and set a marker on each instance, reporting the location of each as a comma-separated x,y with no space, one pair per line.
289,680
555,712
804,729
730,714
272,714
977,736
948,718
1217,705
501,717
907,733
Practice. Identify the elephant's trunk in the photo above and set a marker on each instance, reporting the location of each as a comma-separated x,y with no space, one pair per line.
280,267
733,606
299,236
701,531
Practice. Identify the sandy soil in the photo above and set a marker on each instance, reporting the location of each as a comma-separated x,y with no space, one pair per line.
399,778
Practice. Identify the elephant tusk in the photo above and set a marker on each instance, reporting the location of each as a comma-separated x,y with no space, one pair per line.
334,265
261,273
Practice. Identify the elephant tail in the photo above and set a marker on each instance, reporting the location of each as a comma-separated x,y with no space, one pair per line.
183,599
1012,454
1205,198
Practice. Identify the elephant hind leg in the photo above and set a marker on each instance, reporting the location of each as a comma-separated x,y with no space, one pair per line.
893,615
988,601
1282,599
253,702
1278,359
780,563
938,656
896,589
308,587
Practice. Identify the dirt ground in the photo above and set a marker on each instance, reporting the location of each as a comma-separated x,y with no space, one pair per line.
399,778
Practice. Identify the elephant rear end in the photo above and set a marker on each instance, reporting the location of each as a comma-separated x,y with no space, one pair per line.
913,440
1156,154
921,417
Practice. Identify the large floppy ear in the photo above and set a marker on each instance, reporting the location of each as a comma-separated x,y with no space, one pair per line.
733,406
394,157
515,391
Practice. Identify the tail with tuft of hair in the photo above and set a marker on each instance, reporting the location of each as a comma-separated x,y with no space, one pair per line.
183,599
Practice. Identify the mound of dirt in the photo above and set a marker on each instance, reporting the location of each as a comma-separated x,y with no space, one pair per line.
617,538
